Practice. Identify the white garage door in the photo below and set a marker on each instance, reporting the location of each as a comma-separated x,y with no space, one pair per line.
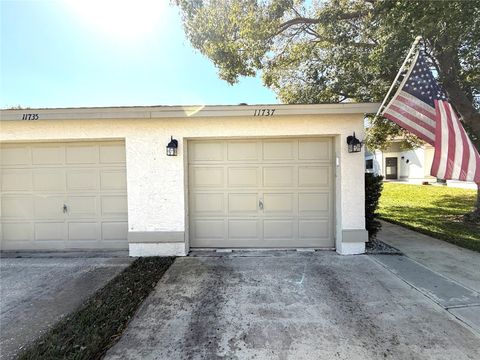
261,193
63,196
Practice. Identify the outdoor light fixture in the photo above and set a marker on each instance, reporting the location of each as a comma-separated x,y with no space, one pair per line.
354,145
172,147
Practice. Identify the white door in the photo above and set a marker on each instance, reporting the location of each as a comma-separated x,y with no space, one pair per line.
63,196
261,193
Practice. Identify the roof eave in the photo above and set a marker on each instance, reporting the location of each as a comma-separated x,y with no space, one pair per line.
154,112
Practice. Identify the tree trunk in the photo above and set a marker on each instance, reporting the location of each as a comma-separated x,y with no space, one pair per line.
477,210
474,216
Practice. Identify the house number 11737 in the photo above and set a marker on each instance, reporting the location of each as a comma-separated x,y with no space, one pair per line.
263,112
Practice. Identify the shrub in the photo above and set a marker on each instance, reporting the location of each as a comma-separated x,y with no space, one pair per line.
373,190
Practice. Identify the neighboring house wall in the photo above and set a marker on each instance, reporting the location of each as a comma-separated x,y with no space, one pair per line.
428,154
411,164
372,164
156,184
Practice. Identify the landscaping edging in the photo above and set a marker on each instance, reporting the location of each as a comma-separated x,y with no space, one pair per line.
91,330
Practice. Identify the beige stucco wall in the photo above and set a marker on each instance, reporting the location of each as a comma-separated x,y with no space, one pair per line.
156,183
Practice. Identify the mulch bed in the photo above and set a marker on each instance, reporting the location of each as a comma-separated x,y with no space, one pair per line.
377,247
91,330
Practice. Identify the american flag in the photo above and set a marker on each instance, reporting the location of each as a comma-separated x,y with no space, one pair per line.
420,106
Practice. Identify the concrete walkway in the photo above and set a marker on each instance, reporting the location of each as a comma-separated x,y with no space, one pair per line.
451,261
38,291
447,274
290,305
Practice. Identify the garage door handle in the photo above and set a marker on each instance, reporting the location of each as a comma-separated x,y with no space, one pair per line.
65,209
260,204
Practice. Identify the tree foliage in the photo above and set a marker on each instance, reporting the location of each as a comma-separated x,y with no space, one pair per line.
341,50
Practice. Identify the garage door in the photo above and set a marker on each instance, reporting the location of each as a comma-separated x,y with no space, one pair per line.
261,193
63,196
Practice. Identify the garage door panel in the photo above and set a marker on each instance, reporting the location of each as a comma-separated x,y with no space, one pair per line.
48,154
82,154
86,231
50,231
12,232
210,229
205,177
314,203
314,176
51,180
278,176
243,176
82,179
317,149
247,229
243,151
17,207
37,179
208,203
113,179
49,207
243,203
275,203
114,206
16,180
44,245
114,231
112,154
313,229
206,151
15,155
279,150
83,206
279,229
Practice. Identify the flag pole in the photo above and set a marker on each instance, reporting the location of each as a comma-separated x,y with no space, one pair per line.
410,52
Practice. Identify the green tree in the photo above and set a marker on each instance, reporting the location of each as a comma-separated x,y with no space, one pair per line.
341,50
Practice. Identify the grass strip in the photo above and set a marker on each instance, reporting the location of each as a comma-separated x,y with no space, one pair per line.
432,210
91,330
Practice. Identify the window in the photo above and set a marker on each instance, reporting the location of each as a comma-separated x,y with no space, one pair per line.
369,164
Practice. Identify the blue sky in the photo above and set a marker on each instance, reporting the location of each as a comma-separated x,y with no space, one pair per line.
90,53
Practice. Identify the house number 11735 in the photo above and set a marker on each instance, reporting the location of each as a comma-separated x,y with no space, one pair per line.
263,112
30,117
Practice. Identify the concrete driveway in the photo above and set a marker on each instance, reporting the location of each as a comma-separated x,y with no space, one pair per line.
289,305
38,291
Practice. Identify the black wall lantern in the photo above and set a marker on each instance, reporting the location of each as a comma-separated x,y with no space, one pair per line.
354,145
172,147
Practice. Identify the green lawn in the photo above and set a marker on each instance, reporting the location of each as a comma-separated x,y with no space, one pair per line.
433,210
